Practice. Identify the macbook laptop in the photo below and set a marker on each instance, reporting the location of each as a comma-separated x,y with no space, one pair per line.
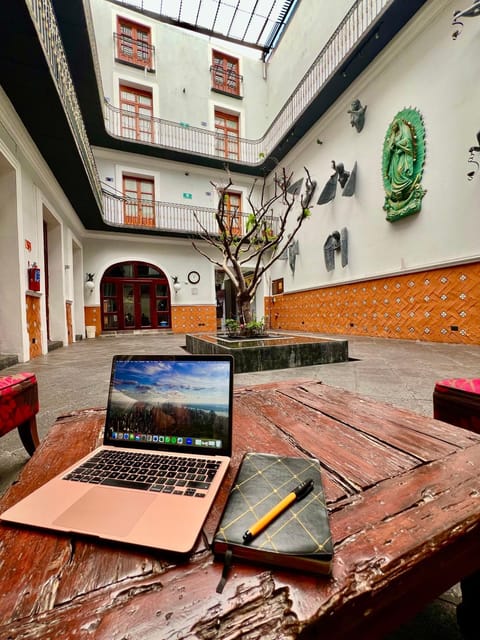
166,447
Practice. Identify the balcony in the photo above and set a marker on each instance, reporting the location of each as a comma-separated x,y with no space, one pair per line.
226,81
365,31
179,136
172,218
135,53
359,21
43,16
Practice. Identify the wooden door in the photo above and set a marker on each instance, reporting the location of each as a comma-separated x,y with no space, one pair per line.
139,205
136,108
227,128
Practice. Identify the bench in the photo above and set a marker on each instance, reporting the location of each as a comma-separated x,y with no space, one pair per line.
18,408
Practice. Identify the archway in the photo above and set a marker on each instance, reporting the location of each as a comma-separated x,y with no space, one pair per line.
135,295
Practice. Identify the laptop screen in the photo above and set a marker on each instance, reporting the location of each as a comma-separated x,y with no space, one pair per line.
171,403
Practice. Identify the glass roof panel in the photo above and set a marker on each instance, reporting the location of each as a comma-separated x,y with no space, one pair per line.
253,23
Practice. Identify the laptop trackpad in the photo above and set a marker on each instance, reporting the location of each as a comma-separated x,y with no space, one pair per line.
104,511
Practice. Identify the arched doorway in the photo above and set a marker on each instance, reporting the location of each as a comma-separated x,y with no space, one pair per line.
135,295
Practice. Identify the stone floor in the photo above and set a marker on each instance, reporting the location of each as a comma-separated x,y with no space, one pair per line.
400,372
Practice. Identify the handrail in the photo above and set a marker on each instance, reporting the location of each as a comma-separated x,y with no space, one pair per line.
43,17
198,141
175,135
229,78
173,217
181,136
143,53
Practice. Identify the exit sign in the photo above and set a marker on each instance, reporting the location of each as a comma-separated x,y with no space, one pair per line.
187,196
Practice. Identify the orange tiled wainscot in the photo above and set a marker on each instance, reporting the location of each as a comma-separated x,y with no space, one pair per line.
441,305
34,325
93,318
68,316
191,319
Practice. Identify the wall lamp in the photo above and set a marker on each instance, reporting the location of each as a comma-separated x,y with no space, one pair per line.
89,283
176,284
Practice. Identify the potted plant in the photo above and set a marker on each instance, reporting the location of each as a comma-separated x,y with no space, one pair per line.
255,328
232,326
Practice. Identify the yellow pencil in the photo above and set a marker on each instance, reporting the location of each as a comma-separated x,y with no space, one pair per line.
297,494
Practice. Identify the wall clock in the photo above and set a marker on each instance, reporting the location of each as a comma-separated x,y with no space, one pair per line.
193,277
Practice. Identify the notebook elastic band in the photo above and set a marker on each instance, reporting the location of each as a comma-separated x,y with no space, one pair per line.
227,563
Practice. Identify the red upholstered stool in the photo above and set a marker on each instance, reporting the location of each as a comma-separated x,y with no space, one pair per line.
19,407
457,401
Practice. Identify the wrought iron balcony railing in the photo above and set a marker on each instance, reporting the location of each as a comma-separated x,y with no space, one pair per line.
43,17
226,81
174,218
137,53
176,135
180,136
183,137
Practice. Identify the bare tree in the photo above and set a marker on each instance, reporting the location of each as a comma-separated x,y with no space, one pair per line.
246,256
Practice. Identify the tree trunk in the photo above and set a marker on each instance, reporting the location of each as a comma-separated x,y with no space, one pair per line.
244,309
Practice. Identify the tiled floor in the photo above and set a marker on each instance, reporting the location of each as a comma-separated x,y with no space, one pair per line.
400,372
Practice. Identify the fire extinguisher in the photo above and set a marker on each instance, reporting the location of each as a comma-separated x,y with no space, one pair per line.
34,277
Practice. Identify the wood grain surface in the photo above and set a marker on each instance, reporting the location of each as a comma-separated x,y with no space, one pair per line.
403,493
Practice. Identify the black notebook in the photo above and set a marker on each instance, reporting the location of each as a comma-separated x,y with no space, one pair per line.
298,538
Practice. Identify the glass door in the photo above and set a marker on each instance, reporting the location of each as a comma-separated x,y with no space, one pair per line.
162,305
144,296
135,295
128,305
137,305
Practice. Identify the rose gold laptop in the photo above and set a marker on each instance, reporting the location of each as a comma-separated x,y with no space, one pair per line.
167,445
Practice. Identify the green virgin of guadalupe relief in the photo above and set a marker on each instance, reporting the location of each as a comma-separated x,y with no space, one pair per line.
402,164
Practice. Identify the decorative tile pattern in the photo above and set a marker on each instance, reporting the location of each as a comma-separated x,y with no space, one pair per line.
441,305
34,325
93,318
194,318
68,315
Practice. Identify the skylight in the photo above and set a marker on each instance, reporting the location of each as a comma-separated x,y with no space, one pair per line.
252,23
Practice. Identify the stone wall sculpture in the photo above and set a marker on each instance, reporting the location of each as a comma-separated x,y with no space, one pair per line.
402,164
293,252
336,241
347,180
471,158
310,186
471,12
357,114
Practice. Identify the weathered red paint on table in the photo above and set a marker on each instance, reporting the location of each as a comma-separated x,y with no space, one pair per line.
403,493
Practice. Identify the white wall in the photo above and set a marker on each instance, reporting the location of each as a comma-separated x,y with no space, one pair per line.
175,257
29,193
311,26
425,69
12,320
181,84
171,179
422,68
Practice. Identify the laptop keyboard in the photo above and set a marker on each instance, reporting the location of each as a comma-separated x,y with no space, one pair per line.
179,475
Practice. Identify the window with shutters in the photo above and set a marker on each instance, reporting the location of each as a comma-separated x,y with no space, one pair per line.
134,44
136,114
233,213
139,205
225,76
227,128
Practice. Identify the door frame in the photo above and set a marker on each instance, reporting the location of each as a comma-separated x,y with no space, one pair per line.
159,295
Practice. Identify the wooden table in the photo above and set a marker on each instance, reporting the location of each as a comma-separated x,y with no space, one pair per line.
403,493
